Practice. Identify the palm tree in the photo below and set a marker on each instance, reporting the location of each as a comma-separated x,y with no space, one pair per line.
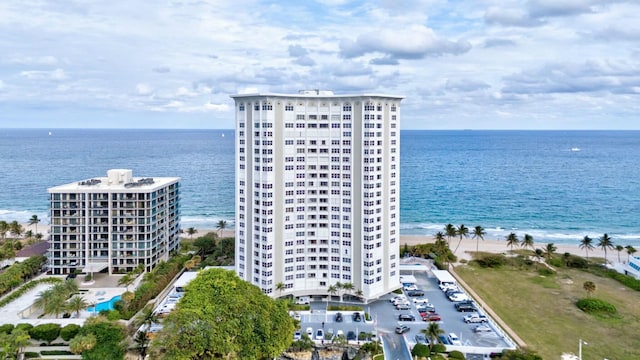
81,343
527,241
450,231
461,231
38,237
34,221
280,287
15,228
539,254
548,251
512,240
20,340
332,290
478,234
432,332
4,227
619,249
146,317
587,244
605,243
590,287
221,225
142,341
127,280
77,304
191,231
630,251
42,299
338,286
348,287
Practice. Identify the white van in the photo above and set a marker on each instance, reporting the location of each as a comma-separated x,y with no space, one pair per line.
455,340
303,300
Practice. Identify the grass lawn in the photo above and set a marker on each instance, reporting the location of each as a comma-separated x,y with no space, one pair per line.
542,311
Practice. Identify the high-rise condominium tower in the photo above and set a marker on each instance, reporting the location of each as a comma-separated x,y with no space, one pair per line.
116,222
318,192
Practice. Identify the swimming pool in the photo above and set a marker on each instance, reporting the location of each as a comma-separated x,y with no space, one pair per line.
105,305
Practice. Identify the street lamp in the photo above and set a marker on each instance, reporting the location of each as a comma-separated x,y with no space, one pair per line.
580,342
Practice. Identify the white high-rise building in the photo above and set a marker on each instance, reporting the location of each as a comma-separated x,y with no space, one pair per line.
318,192
116,222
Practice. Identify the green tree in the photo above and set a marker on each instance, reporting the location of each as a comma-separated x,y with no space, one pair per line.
77,304
16,229
348,287
141,342
34,220
45,332
280,287
478,234
81,343
332,290
109,337
221,225
206,244
548,252
4,228
432,332
222,316
191,231
587,245
20,339
127,279
450,231
461,231
420,350
630,251
527,241
512,240
589,287
605,243
520,354
68,332
619,249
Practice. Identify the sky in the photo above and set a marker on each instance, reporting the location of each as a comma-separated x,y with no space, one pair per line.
466,64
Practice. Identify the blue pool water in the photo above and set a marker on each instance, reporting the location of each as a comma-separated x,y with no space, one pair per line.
105,305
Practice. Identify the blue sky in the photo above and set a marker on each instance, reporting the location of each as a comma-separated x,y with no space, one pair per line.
478,64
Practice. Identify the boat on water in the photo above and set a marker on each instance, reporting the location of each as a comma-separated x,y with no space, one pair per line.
575,149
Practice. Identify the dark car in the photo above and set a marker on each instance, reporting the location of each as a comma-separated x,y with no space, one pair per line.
357,317
464,307
338,317
432,317
401,329
351,336
406,317
415,293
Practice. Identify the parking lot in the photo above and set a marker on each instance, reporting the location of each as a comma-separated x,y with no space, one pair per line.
386,317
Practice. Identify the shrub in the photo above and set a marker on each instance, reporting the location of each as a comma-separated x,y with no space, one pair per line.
55,352
46,332
24,326
492,260
31,355
69,332
597,306
6,328
420,350
456,355
626,280
546,272
577,262
438,348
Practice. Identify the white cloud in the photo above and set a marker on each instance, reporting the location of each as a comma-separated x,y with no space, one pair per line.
463,63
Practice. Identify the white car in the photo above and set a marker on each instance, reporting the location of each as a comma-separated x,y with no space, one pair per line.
398,297
420,300
482,329
455,340
320,334
309,332
411,287
297,335
400,302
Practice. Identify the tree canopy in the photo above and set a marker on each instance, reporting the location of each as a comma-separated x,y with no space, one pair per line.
224,317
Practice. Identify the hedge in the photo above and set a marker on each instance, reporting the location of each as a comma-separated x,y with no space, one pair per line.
69,332
17,273
593,305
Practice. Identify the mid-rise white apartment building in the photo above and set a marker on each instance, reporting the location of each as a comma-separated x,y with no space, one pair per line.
116,222
318,192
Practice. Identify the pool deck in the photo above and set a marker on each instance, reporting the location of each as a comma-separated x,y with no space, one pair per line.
18,311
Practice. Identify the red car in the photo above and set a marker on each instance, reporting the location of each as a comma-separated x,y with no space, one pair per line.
431,317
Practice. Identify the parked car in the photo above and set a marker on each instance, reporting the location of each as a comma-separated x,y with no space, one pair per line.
465,307
454,339
297,335
426,307
411,287
338,317
309,332
416,292
457,297
475,318
397,297
351,336
421,339
421,300
445,286
482,329
403,307
400,301
303,300
320,334
401,329
432,317
357,317
406,317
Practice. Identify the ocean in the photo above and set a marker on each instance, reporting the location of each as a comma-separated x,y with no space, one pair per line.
555,185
